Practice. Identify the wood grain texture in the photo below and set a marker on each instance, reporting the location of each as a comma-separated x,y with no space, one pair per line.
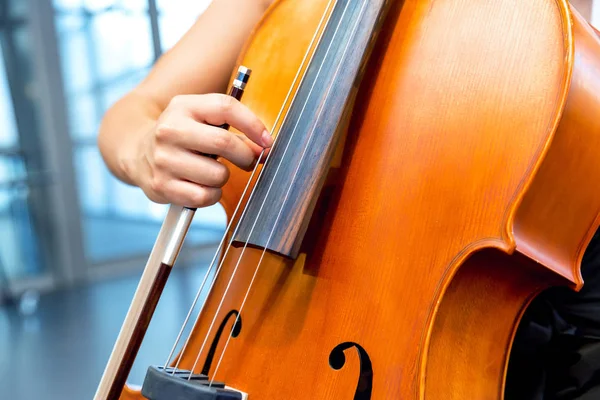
453,130
553,225
281,206
486,299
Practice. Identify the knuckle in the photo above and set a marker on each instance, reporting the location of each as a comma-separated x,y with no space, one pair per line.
164,132
221,175
206,197
158,184
222,141
161,160
227,103
177,100
213,196
199,197
154,197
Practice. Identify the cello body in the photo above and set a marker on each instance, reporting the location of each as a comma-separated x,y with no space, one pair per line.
462,187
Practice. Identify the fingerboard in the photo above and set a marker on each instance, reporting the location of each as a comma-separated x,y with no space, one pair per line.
283,201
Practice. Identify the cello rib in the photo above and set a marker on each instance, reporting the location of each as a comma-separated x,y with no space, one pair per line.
558,215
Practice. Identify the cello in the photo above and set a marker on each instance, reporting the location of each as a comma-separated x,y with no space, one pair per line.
433,171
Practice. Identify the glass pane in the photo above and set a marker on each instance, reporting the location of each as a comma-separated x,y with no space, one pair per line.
8,126
17,8
19,256
179,6
98,5
120,222
83,115
135,5
176,17
67,4
12,169
99,44
105,52
122,43
596,14
74,41
93,183
114,222
23,185
114,91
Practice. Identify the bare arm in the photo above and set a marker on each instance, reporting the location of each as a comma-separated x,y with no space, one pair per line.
150,138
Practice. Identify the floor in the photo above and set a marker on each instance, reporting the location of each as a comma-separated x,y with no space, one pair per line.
59,352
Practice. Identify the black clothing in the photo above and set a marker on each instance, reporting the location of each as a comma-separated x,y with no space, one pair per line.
556,353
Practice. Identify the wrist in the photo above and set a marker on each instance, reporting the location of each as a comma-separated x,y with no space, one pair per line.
123,130
127,168
129,157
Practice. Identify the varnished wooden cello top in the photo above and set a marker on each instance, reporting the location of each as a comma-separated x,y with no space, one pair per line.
462,139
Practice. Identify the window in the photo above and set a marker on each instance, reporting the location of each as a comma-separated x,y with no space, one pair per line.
20,167
106,48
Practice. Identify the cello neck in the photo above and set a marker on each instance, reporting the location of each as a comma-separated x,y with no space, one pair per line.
330,80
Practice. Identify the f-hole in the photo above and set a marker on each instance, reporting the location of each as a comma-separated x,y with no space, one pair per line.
235,332
337,360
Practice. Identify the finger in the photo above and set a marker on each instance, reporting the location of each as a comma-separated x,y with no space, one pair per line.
212,140
199,169
264,156
219,109
256,149
188,194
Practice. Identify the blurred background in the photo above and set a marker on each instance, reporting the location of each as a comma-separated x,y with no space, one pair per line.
74,240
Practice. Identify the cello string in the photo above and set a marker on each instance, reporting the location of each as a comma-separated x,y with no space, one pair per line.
278,118
245,245
234,273
230,242
311,134
210,267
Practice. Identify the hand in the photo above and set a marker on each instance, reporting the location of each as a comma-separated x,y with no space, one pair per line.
169,165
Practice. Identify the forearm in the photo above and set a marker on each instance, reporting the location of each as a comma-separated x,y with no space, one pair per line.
200,63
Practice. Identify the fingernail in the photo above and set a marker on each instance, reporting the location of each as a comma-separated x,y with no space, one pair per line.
267,139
